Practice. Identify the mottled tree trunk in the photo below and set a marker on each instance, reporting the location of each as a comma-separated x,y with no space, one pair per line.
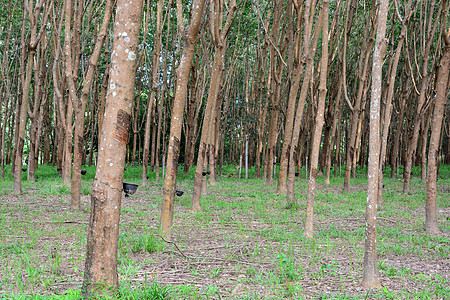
207,139
363,67
388,105
371,277
294,152
412,143
152,99
260,134
39,65
79,102
336,118
194,103
297,73
30,46
103,233
394,160
431,225
183,71
22,124
309,233
423,147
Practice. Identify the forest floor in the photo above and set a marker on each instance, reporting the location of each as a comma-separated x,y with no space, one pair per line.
244,244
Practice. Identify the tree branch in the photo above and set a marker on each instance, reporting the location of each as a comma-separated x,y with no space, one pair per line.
180,19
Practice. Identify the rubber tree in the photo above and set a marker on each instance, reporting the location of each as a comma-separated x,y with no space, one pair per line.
35,36
297,73
389,95
442,83
190,38
153,87
371,278
277,65
219,37
103,232
308,60
319,124
412,143
79,102
356,107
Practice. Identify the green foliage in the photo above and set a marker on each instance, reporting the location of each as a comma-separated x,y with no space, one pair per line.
137,243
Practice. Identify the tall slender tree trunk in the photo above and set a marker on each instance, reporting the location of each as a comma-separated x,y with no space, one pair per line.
336,118
412,145
371,277
22,124
394,160
356,111
183,71
424,141
210,112
297,73
309,233
388,104
442,84
36,109
79,103
310,52
207,139
154,84
261,128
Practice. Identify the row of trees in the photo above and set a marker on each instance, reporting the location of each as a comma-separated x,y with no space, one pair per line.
289,78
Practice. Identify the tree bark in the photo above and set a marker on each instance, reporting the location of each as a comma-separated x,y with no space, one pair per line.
431,225
154,84
336,118
190,40
412,145
103,233
293,154
309,233
356,109
292,98
207,139
79,103
371,277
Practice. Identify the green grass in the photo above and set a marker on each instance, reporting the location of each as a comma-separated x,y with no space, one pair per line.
251,240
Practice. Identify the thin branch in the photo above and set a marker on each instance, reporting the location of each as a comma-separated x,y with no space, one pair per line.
176,246
398,13
270,40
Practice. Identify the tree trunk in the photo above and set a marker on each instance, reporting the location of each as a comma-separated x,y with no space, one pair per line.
394,160
412,145
371,277
190,40
424,142
293,154
103,233
292,99
79,103
192,112
207,139
152,99
431,225
336,118
363,67
22,123
319,123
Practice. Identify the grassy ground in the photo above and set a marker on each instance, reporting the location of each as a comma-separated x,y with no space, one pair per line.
244,244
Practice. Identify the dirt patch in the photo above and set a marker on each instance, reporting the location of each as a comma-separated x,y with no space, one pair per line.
236,252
